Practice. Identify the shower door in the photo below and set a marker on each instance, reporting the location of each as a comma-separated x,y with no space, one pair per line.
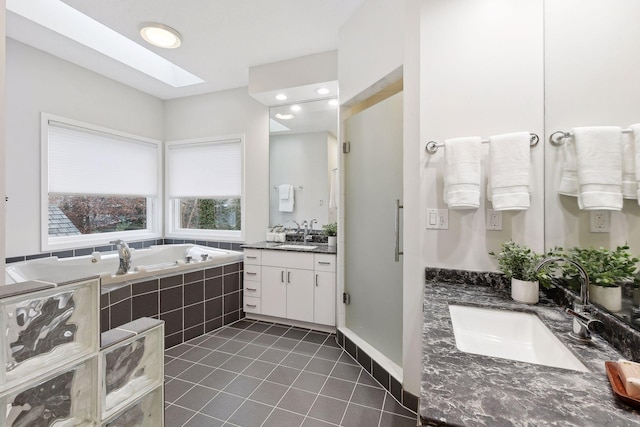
373,191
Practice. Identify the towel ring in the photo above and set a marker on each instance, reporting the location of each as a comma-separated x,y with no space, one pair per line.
557,138
432,146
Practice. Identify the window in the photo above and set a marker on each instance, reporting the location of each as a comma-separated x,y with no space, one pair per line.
98,185
204,188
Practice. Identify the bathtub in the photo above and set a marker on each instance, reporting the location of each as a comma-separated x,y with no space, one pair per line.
153,261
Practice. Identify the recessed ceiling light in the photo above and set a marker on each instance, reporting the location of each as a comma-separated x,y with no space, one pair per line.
284,116
296,108
281,97
160,35
322,91
333,102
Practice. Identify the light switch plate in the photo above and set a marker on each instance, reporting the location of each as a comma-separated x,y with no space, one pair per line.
494,220
438,219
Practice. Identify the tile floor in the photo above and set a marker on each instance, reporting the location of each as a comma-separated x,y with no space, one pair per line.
253,374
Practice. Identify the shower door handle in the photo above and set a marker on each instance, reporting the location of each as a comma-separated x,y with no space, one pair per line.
397,223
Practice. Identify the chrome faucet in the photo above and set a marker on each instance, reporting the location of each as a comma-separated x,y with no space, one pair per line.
125,256
583,323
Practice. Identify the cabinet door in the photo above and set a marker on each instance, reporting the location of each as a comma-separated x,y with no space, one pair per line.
324,298
274,291
299,294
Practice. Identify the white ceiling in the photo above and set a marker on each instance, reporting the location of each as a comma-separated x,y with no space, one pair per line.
221,39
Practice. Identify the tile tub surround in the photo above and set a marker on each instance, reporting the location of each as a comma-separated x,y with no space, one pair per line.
474,390
191,303
254,373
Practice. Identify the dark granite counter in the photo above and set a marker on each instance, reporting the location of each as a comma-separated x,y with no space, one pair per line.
322,248
464,389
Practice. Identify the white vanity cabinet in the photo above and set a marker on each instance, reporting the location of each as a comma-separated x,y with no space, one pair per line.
290,285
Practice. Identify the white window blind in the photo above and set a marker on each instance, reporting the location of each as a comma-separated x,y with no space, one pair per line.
205,169
82,161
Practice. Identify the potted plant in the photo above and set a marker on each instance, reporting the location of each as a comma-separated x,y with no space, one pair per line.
331,231
518,263
608,270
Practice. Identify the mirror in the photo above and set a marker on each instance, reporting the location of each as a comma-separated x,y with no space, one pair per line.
591,79
303,153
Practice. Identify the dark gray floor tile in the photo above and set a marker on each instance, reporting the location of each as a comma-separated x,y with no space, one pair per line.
232,346
346,372
298,401
196,373
295,360
315,337
320,366
176,366
391,405
212,342
241,324
197,340
176,416
194,354
252,351
167,358
280,418
331,341
311,422
276,330
295,334
215,358
265,340
283,375
236,364
222,406
246,336
218,379
337,388
285,344
175,388
177,350
393,420
309,381
329,353
368,396
306,348
366,379
273,355
358,416
345,358
196,398
328,409
269,393
259,327
259,369
242,386
227,332
251,414
201,420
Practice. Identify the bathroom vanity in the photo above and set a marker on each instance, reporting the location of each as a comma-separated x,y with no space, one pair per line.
289,281
463,388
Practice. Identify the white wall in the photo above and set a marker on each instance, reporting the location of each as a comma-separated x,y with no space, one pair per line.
2,139
300,160
38,82
370,46
591,79
224,113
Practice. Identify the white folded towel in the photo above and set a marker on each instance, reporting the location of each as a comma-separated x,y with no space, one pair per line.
636,137
629,181
569,180
599,160
462,172
509,164
285,198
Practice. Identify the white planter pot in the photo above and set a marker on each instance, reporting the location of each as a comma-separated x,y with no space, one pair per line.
524,291
609,298
332,240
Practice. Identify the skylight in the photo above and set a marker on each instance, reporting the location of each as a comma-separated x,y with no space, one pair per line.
69,22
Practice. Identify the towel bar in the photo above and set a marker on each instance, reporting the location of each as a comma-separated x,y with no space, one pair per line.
557,138
432,146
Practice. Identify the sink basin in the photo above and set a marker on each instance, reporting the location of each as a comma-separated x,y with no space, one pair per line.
509,335
299,247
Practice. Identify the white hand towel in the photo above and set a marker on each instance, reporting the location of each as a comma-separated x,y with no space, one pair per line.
599,160
462,172
569,180
286,198
629,182
636,137
509,164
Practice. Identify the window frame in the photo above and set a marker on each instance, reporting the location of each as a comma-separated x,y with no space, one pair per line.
172,206
154,205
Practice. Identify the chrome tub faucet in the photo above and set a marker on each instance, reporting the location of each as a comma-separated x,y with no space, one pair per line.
125,256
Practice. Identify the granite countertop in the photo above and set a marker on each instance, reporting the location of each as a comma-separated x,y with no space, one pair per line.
322,248
464,389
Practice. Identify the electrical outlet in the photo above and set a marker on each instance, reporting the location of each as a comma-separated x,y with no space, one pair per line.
494,220
600,221
438,219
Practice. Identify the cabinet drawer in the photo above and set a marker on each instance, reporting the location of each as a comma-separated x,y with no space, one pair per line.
252,289
277,258
252,273
251,305
252,256
324,262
